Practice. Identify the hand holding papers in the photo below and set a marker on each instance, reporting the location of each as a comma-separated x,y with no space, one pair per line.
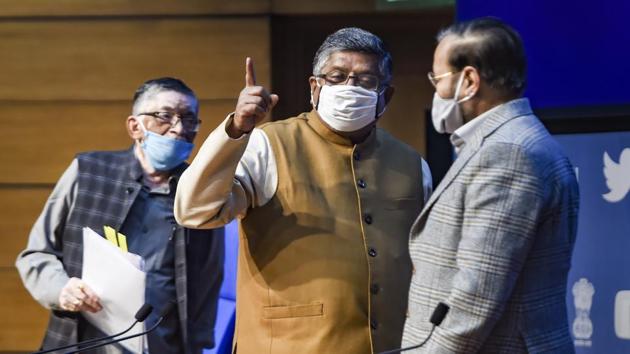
117,278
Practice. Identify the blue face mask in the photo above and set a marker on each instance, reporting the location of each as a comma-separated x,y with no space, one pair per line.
164,153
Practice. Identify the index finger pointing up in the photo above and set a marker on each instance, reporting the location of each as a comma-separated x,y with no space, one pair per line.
250,75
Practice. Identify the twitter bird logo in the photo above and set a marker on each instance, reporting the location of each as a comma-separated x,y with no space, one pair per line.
617,176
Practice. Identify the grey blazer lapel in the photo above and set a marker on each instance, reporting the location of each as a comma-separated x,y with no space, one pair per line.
466,154
494,120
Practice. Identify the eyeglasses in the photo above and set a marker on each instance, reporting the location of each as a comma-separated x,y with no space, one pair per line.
189,121
337,77
436,78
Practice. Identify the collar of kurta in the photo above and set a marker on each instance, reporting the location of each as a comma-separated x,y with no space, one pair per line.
314,121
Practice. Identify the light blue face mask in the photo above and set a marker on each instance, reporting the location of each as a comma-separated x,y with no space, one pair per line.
164,153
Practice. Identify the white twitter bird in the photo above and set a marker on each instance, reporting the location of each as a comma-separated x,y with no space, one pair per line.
617,176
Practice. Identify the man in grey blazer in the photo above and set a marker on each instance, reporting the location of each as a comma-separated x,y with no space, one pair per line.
494,241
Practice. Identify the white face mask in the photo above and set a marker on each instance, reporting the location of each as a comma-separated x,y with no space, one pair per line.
446,113
347,108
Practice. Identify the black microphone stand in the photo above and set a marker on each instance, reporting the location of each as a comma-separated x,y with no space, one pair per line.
141,315
400,350
163,314
436,319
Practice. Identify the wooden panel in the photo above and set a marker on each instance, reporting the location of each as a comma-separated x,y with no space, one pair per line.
40,139
11,8
106,59
23,320
284,7
411,40
40,8
19,209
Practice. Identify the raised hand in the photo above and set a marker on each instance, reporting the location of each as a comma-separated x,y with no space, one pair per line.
254,102
77,296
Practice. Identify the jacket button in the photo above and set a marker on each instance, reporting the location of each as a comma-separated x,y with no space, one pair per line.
368,219
361,183
374,289
129,190
372,252
356,156
373,324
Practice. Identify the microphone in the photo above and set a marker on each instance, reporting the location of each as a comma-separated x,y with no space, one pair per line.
169,306
140,316
436,319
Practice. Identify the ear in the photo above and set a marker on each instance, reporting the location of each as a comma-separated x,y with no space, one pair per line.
472,81
133,128
382,102
312,81
388,94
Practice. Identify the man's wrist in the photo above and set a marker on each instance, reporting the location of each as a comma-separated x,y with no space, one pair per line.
232,130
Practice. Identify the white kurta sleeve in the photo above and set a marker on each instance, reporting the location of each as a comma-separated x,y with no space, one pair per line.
427,181
226,178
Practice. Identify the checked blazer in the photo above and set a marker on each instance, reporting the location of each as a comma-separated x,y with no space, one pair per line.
494,242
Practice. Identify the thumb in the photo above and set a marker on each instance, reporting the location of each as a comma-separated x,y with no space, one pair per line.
274,100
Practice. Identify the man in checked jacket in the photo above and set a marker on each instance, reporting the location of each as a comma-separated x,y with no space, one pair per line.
131,191
494,241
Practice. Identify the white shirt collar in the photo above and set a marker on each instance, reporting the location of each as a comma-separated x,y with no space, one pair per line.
464,133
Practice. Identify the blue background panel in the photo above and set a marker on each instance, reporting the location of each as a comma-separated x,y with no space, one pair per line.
578,51
603,243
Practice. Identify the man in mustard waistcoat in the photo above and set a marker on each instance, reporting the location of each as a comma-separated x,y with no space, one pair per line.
325,202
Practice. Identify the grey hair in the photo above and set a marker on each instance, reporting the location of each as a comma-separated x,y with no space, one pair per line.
353,39
154,86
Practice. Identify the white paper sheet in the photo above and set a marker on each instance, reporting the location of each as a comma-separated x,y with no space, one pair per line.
116,277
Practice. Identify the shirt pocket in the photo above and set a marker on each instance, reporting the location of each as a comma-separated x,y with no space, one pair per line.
310,310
